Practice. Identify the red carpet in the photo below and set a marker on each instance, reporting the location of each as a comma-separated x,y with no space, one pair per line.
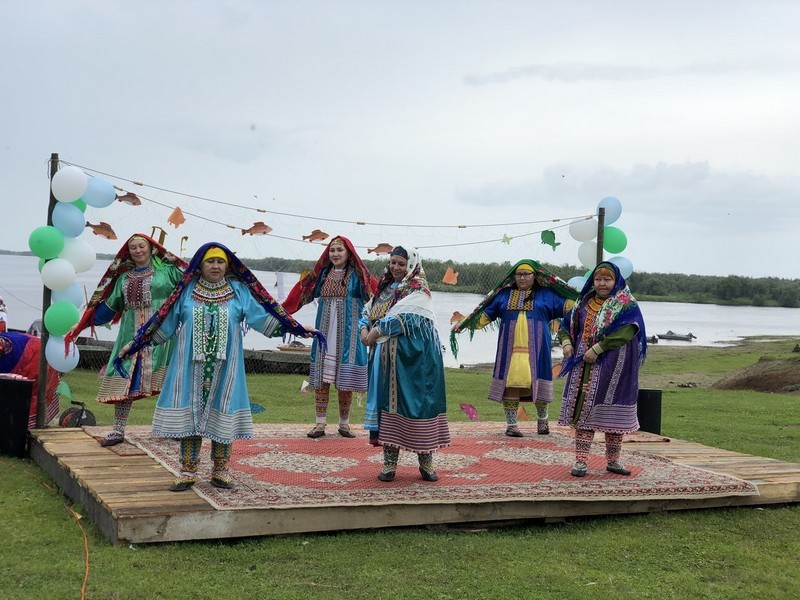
282,467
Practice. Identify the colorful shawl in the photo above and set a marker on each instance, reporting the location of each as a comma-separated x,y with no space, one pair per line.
121,264
236,269
543,278
619,309
303,291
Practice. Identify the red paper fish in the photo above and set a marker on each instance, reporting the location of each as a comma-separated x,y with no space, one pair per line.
522,415
176,218
382,248
315,235
450,277
457,316
258,228
102,228
129,198
470,411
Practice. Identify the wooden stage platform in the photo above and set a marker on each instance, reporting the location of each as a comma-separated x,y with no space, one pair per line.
127,496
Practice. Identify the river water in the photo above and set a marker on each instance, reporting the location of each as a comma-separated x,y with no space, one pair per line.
21,287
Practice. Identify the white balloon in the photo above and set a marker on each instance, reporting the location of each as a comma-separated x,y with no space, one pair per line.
624,265
54,353
58,274
68,184
577,282
583,230
79,254
72,294
587,254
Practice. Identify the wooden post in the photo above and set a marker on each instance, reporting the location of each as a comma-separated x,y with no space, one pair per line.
41,395
601,218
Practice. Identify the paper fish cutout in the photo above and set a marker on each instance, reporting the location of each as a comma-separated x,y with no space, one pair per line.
102,228
64,391
522,415
450,277
470,411
258,228
129,198
382,248
457,316
506,239
315,235
176,218
304,387
549,238
256,408
556,371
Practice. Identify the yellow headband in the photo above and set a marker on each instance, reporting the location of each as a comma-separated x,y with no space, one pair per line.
524,267
215,252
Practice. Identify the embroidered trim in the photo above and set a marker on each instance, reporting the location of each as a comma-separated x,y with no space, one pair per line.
205,291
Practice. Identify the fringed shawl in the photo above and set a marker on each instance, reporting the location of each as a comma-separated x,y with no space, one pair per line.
120,265
543,278
618,310
236,269
304,290
412,295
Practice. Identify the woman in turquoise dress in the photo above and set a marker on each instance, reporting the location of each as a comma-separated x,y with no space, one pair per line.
135,285
407,374
205,390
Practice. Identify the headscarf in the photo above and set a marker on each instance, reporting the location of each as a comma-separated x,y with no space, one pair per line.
543,278
618,310
120,265
303,291
236,269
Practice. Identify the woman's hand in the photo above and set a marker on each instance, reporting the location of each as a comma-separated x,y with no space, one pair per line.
590,357
364,334
568,350
125,349
373,335
310,331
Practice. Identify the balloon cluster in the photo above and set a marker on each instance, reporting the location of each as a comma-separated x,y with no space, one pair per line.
614,241
62,255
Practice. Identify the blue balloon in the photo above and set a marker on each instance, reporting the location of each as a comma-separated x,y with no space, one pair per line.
54,353
613,209
72,295
99,193
68,219
625,266
577,282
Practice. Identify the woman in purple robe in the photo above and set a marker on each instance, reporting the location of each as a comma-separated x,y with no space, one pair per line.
604,343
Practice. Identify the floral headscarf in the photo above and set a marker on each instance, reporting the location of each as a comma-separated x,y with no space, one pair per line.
303,291
543,278
120,265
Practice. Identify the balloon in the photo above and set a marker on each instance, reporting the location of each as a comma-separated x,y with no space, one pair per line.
79,254
68,219
587,254
68,184
46,241
613,209
72,295
99,193
577,282
58,274
54,353
80,204
583,230
614,240
41,264
60,317
625,266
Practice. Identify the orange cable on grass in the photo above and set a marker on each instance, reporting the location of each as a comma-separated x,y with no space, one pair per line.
78,518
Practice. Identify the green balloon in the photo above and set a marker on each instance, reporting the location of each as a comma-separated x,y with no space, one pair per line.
46,242
41,264
60,317
80,204
614,240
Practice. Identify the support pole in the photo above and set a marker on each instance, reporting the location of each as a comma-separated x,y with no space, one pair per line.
601,218
41,395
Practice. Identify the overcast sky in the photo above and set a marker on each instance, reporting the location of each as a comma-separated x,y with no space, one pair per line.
413,113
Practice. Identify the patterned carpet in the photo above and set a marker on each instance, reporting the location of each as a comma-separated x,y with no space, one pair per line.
282,467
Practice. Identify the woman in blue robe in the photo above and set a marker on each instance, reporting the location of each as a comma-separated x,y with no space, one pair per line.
205,390
407,377
524,302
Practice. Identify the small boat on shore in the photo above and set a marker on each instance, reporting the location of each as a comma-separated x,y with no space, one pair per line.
671,335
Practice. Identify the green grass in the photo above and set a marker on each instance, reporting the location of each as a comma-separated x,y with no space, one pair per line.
721,553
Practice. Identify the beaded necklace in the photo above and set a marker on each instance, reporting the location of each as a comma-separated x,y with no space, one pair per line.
136,289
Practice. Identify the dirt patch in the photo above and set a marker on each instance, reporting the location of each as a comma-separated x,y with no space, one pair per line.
767,375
